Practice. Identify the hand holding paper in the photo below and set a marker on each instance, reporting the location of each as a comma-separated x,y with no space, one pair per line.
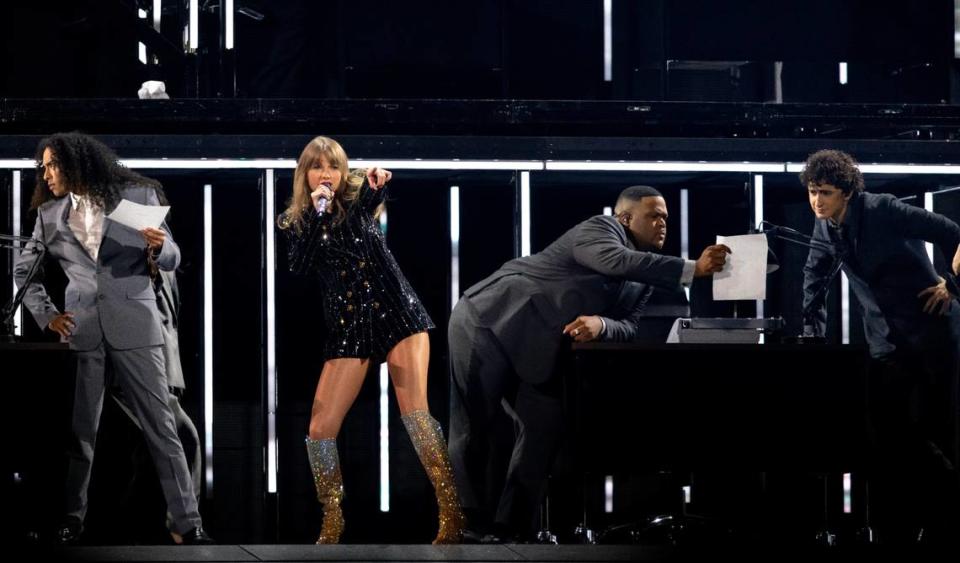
154,237
745,274
139,217
711,260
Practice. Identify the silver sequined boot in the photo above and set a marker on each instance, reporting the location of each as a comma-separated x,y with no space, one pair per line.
428,441
325,465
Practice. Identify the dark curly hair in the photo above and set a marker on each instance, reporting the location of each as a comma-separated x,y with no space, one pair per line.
90,168
833,167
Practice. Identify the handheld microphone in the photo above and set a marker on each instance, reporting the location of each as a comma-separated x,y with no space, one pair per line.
322,202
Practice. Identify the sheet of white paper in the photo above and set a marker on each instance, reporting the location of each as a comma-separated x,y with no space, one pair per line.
138,216
744,276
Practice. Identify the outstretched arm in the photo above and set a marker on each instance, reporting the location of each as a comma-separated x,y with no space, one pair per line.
600,247
373,193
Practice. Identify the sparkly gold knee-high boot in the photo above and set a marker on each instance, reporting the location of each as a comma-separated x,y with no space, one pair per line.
428,440
325,464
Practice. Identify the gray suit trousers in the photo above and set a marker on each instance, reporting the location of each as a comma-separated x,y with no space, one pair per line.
140,374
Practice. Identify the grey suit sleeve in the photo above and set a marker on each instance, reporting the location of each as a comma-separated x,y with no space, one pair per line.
169,257
168,305
168,296
815,271
35,298
601,248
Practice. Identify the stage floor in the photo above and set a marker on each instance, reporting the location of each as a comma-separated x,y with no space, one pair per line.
353,553
478,553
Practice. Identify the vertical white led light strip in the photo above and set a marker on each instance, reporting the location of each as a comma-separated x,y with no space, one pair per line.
454,245
271,265
141,48
847,493
757,199
384,417
928,205
843,73
194,24
524,213
956,29
685,230
757,219
384,440
208,335
844,308
608,40
778,82
228,17
685,223
15,225
156,13
608,494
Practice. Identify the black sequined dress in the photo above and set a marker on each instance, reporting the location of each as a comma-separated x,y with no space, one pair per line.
368,305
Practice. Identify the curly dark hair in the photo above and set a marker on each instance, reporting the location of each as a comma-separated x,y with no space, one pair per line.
833,167
90,168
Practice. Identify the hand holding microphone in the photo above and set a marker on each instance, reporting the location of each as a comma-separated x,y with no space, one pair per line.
321,196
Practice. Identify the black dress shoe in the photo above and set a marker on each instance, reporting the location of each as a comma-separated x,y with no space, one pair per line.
197,536
68,533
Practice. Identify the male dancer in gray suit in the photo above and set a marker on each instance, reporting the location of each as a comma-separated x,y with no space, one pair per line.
912,326
111,313
168,304
507,331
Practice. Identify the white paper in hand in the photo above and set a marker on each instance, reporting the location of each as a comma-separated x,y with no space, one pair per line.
139,217
744,276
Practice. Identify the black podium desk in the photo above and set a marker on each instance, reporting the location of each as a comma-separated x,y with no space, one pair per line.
688,406
38,381
30,347
31,370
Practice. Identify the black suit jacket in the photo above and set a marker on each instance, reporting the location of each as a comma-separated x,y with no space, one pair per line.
592,269
887,265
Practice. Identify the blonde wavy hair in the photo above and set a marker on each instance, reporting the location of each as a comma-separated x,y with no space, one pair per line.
344,195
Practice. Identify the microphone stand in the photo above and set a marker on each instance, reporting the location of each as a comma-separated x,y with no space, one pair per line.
7,328
825,536
819,297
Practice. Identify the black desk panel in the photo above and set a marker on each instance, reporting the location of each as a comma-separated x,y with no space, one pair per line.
689,406
38,384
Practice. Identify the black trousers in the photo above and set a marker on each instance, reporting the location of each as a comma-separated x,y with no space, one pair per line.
504,431
913,407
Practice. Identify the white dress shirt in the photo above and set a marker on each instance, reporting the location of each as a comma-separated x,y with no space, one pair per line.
86,222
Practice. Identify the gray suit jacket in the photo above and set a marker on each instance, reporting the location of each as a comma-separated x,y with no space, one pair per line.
111,298
587,271
168,303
